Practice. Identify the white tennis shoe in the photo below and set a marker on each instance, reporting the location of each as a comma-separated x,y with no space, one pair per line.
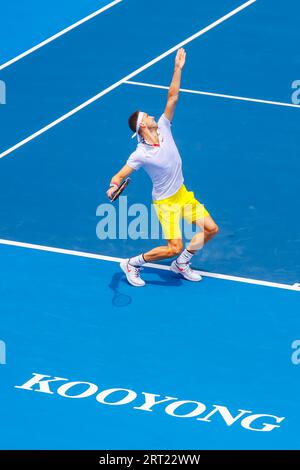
132,273
186,271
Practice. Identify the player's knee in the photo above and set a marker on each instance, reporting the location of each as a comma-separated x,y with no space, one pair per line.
175,248
213,231
174,251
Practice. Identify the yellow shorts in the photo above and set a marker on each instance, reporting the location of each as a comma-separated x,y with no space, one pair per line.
182,205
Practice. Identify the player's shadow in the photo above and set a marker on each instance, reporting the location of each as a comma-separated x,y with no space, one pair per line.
155,277
119,299
159,277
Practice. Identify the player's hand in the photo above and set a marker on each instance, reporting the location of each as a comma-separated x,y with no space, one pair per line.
110,192
180,58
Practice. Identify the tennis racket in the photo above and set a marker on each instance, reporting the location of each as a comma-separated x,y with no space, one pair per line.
120,189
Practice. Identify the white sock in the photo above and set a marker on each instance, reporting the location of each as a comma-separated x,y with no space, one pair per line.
137,261
184,257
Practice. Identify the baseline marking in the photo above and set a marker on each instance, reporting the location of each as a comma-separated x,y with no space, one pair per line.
218,95
60,33
83,254
124,79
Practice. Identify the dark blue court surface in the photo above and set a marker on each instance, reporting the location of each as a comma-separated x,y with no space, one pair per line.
218,352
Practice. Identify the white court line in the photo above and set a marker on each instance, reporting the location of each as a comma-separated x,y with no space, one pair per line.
57,35
218,95
124,79
84,254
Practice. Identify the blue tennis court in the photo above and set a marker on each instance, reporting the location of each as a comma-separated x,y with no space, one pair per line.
91,362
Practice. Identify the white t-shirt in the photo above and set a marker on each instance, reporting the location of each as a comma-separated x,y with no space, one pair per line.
163,164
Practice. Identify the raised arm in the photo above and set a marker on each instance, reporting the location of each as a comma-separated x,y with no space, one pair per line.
118,178
173,93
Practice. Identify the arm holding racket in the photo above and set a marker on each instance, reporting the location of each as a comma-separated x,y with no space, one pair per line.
117,180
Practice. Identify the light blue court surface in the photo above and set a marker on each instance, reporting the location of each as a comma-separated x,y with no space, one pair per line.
220,342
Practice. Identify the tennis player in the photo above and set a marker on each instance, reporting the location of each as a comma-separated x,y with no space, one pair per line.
157,153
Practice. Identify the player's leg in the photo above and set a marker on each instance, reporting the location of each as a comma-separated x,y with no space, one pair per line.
194,212
132,266
173,248
169,217
208,230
